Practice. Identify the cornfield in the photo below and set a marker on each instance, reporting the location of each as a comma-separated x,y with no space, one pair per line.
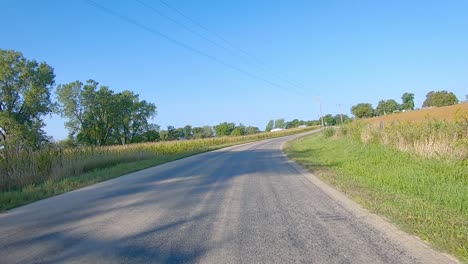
21,167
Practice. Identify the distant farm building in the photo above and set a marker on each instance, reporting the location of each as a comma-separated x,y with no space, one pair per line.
276,129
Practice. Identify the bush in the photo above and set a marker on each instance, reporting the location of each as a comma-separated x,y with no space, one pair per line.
329,132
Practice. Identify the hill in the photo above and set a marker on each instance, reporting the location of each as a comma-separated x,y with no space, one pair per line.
439,113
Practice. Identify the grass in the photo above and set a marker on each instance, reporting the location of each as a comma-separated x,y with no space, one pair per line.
28,176
448,113
430,138
427,197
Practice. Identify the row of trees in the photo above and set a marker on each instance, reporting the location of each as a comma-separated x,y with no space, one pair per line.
281,123
220,130
96,115
99,116
433,99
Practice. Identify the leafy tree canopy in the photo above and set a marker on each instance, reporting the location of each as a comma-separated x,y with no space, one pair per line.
440,98
329,120
25,87
250,130
187,131
98,116
279,123
238,131
408,101
269,126
362,110
224,129
387,107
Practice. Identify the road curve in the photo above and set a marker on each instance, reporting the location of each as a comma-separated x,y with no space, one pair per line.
243,204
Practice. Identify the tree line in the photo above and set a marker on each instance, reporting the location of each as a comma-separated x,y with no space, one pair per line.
95,114
329,120
389,106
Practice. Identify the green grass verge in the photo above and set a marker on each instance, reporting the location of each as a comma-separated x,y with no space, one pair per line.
425,197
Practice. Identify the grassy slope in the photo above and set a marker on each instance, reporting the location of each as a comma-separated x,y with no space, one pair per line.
439,113
34,192
425,197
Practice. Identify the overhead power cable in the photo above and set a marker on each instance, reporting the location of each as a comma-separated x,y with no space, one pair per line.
155,10
187,47
253,58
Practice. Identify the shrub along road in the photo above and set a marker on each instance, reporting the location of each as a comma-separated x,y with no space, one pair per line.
243,204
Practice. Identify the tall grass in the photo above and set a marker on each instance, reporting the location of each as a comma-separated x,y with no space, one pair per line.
429,138
414,172
425,196
449,113
21,167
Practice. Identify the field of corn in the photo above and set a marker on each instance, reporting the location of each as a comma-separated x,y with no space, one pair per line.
413,172
20,168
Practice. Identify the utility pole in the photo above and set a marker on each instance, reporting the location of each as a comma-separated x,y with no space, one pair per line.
321,115
341,113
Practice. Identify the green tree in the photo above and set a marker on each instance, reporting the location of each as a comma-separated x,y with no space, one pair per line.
339,117
440,98
164,135
279,123
362,110
224,129
238,130
197,132
207,132
92,113
98,116
294,123
408,101
187,132
150,135
386,107
250,130
329,120
133,118
25,87
270,125
172,133
180,132
313,123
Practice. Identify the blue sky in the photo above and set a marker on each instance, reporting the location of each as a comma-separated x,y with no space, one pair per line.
344,52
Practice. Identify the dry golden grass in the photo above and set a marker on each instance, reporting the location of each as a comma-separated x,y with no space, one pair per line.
445,137
448,113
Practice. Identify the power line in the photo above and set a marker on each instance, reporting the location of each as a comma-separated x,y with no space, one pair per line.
238,49
180,24
229,48
186,46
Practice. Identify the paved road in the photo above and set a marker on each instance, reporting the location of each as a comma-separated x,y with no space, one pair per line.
244,204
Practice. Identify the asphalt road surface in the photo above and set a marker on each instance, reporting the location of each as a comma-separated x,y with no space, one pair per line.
244,204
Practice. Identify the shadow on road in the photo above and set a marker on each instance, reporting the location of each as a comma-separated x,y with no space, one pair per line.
157,215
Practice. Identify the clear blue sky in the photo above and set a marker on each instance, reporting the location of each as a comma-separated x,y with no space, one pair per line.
346,52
